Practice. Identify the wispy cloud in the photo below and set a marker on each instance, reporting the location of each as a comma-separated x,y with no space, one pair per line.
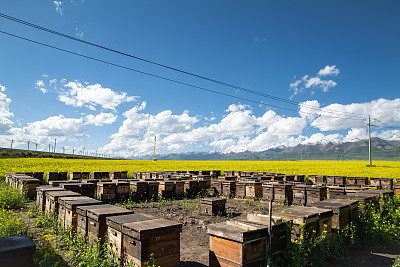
58,5
79,33
315,82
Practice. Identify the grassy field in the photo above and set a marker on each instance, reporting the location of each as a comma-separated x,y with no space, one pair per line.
385,169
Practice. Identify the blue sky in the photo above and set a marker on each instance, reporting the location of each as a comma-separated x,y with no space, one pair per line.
336,62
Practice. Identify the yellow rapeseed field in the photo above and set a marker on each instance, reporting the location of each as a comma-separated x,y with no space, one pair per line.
385,169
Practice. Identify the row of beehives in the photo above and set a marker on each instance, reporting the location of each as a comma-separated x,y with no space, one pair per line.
140,236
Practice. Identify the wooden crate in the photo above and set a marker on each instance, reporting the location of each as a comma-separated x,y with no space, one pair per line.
316,193
166,189
288,178
179,188
52,199
357,180
87,189
353,213
41,195
335,191
28,185
57,183
202,185
115,223
340,180
317,179
56,176
325,220
206,178
96,220
237,244
229,173
240,190
387,183
191,188
119,175
375,181
228,188
278,228
75,175
278,178
100,175
106,190
82,224
67,214
301,218
299,194
152,189
139,189
16,251
152,242
283,193
122,190
268,191
212,205
254,190
74,187
227,178
299,178
397,189
341,212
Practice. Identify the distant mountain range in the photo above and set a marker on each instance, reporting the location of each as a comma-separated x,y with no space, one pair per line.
381,150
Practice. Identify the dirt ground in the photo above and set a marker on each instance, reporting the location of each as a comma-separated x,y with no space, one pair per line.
195,240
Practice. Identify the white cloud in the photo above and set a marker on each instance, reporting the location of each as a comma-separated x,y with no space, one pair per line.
56,126
2,88
389,135
58,5
315,82
356,134
5,114
101,119
78,95
79,33
320,138
329,71
384,111
40,86
235,108
309,109
288,126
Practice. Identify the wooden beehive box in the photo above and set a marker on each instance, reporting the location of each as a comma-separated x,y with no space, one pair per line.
75,175
387,183
357,180
212,205
316,193
139,189
152,189
82,224
341,212
397,189
16,251
375,181
335,191
278,228
52,199
202,185
85,175
317,179
288,178
122,190
41,195
100,175
57,183
115,223
240,190
118,175
283,193
228,188
278,178
229,173
325,220
227,178
299,194
302,219
330,180
29,185
237,244
340,180
57,176
87,189
353,213
299,178
106,190
166,189
206,178
153,242
191,188
74,187
67,214
96,219
254,190
268,191
179,188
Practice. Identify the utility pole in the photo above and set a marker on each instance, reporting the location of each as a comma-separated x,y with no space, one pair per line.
36,147
55,143
369,140
12,141
49,148
155,140
73,150
28,143
63,150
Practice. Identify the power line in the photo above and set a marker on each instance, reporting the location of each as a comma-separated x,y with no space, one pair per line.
161,77
342,113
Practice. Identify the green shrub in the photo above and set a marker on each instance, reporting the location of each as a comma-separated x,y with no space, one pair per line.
10,198
11,224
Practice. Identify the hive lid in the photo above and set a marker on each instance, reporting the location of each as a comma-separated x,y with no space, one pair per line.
97,214
210,200
116,222
82,210
62,193
264,219
349,202
299,215
49,188
72,202
151,228
238,231
323,213
13,243
336,207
